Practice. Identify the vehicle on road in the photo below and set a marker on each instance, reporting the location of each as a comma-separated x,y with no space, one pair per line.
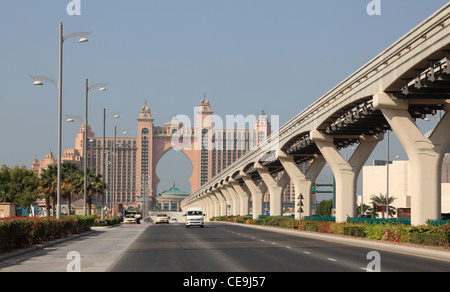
130,218
162,218
174,220
194,217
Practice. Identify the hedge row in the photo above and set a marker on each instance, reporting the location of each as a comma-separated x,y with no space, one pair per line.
110,221
20,232
393,232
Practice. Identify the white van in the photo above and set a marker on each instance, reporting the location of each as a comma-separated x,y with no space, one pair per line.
194,216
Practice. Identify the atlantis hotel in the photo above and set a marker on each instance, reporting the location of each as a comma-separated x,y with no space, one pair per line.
129,168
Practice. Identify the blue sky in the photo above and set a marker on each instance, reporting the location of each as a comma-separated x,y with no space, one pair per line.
247,55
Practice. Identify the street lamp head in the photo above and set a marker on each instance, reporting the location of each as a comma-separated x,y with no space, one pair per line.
37,82
69,120
83,40
117,116
102,89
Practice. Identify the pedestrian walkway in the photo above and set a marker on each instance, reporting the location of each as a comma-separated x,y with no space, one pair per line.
93,252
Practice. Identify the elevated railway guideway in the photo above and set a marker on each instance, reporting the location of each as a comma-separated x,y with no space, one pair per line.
406,82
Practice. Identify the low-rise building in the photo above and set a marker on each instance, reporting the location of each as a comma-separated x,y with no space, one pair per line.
374,182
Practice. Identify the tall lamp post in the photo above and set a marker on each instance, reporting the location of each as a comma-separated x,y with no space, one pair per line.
87,88
85,138
38,81
105,115
114,172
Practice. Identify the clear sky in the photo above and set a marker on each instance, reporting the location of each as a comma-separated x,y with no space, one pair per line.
247,55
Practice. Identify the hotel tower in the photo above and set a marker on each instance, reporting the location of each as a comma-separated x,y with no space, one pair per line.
129,164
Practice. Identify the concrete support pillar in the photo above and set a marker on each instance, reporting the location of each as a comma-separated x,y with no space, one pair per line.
235,208
216,204
222,202
257,194
207,204
244,197
228,200
275,188
345,172
202,205
302,181
425,155
209,207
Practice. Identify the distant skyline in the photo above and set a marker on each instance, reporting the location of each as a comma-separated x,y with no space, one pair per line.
247,55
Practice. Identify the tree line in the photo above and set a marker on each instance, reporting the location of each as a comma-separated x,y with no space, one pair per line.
24,188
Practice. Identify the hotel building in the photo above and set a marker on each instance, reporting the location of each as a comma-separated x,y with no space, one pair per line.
129,164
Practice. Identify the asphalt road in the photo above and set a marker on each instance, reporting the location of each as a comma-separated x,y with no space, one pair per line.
232,248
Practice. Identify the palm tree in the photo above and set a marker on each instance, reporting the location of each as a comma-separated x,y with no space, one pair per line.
48,187
69,172
94,186
381,201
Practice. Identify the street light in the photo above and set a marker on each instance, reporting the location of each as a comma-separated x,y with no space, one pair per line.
116,116
38,82
114,173
87,88
85,138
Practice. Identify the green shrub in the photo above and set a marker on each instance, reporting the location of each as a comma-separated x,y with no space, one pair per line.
374,231
431,235
356,231
310,226
20,232
110,221
425,239
258,221
397,233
